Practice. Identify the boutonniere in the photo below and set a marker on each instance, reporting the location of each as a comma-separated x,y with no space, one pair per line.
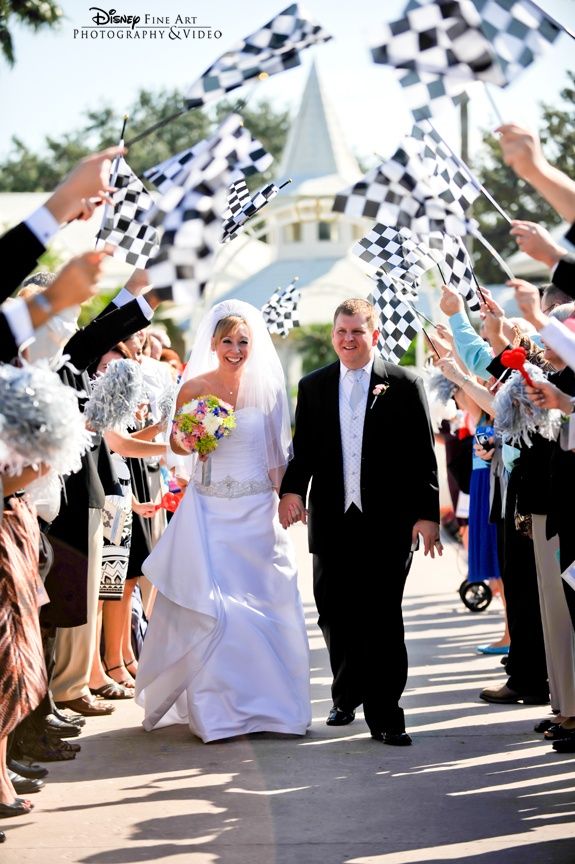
377,391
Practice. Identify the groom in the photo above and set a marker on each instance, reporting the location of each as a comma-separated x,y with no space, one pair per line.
364,439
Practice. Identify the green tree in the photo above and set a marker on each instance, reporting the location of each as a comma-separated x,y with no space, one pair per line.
37,14
27,171
517,198
314,344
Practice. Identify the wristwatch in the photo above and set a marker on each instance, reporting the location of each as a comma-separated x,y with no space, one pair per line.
42,302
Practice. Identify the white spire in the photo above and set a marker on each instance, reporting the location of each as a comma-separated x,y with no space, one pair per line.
315,148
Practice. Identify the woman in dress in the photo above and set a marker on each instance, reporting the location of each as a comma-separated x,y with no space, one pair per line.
226,649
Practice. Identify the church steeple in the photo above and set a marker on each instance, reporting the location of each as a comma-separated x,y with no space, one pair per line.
316,157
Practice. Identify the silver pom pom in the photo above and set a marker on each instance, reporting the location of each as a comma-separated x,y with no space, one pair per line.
166,402
115,396
40,420
442,388
516,417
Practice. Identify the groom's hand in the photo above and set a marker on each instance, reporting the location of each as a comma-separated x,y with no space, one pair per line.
291,510
430,534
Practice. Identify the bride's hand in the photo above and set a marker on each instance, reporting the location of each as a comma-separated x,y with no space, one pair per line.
203,457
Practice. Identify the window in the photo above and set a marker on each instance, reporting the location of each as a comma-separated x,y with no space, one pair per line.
324,231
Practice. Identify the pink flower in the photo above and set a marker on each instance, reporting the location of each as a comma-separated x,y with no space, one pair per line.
377,391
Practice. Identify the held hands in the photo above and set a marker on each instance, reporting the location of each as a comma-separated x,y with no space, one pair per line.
144,508
429,532
85,187
547,395
537,242
291,510
527,299
451,301
521,150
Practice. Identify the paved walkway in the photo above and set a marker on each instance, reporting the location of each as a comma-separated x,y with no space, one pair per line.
477,786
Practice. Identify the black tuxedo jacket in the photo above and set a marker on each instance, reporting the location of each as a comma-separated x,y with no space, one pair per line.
564,273
398,466
19,253
8,345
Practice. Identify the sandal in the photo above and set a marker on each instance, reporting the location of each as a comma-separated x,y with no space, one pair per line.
127,664
113,691
128,684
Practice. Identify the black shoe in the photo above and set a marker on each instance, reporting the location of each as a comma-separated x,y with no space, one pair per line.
53,726
544,725
23,785
396,739
338,717
565,745
28,769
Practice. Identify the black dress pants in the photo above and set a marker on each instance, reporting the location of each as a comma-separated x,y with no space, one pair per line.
358,589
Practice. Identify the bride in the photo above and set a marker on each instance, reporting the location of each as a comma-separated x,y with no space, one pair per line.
226,648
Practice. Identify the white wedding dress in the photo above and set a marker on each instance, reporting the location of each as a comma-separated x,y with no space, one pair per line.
226,649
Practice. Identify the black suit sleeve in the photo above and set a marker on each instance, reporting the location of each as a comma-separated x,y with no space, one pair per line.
424,467
19,253
299,469
103,333
8,345
564,275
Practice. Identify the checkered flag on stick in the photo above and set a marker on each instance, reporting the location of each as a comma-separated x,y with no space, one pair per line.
451,178
398,323
238,197
280,312
266,52
400,192
175,170
400,254
442,44
237,221
191,213
124,224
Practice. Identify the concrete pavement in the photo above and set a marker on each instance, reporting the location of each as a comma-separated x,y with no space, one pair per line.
477,786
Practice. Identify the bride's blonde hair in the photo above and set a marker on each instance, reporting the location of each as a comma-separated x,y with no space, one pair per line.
227,325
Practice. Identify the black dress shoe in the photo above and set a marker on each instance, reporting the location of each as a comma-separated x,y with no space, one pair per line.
396,739
564,745
544,725
338,717
28,769
23,785
53,726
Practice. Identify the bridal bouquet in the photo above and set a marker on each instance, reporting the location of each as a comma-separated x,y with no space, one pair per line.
201,423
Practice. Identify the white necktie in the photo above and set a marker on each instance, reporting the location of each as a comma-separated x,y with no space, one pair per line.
356,394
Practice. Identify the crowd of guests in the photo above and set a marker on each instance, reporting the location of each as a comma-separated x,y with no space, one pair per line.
520,508
71,548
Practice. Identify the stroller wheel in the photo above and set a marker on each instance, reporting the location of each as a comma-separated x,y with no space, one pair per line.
476,596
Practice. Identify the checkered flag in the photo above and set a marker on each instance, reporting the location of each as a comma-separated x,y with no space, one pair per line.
455,265
266,52
191,214
402,255
280,312
518,30
400,192
450,176
398,323
238,197
175,170
236,223
124,222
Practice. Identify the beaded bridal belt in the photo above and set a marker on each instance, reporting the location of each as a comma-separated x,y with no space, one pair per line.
230,488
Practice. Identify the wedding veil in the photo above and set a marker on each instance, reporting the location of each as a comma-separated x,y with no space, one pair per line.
262,383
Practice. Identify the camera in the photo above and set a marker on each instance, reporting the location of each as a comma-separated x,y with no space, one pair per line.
482,436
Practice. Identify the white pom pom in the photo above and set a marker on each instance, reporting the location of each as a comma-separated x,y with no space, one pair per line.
115,396
516,417
40,420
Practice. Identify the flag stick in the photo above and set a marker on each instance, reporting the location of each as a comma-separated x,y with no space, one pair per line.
430,340
553,20
421,315
481,294
474,179
493,103
285,183
494,252
442,276
113,177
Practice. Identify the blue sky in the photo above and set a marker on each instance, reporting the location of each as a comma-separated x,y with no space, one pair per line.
57,77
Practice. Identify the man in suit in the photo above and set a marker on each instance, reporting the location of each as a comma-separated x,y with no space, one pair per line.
364,439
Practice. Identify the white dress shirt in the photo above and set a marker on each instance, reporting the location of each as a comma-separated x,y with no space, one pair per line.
351,423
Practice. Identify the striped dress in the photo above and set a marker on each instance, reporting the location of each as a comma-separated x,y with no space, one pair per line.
23,681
